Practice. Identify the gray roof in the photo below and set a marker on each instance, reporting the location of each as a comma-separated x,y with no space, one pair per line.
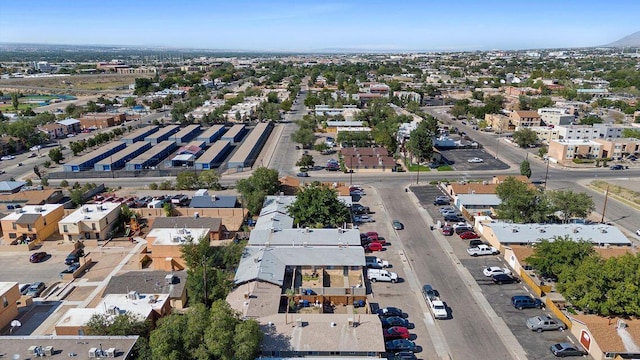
470,200
147,282
274,221
269,264
187,222
276,204
214,201
310,237
27,219
532,233
11,186
63,345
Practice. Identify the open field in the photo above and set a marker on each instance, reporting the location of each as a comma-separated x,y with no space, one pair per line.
67,84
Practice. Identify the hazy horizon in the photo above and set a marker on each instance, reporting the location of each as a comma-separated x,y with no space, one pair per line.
306,26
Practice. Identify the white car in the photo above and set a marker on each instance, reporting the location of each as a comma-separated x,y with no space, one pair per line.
494,270
8,157
446,209
475,160
638,232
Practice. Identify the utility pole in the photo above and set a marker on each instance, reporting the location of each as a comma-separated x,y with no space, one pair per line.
604,208
546,175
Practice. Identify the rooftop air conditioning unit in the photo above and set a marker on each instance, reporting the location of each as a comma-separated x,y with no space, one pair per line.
514,230
133,295
113,310
169,279
93,353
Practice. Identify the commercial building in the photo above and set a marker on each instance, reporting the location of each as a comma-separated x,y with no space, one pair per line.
247,153
87,161
32,222
119,159
235,134
187,154
139,135
556,116
152,156
71,126
214,156
162,134
619,148
82,346
186,134
212,134
202,199
565,150
90,221
101,120
10,294
499,122
367,159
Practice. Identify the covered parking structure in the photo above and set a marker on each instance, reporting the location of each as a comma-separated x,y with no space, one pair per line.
87,161
162,134
214,156
119,159
247,153
139,134
212,134
153,156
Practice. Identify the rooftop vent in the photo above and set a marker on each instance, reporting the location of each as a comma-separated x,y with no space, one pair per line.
514,230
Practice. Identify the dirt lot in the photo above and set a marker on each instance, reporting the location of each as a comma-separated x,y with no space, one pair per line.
70,83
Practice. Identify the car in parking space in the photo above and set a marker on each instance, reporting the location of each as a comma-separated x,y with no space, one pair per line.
566,349
441,200
452,218
447,230
543,323
24,288
397,225
374,246
360,209
495,270
616,167
390,311
462,229
445,209
35,289
468,235
37,257
476,243
504,279
405,355
391,321
302,174
526,302
71,269
363,219
400,345
475,160
7,157
396,332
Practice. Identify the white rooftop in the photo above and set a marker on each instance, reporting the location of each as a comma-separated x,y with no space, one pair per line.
42,210
177,236
90,212
577,141
301,236
598,234
115,304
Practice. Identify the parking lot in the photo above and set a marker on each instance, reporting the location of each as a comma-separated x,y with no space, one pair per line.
385,294
460,159
499,296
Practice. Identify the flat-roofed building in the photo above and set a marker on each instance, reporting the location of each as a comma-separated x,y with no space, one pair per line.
32,222
573,132
152,156
90,221
9,294
82,346
247,153
119,159
499,122
565,150
139,134
619,148
214,156
546,133
87,161
186,134
162,135
96,121
212,134
235,133
522,119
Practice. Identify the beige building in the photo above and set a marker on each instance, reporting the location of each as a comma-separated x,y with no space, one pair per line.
90,221
618,148
546,134
9,296
499,122
522,118
31,223
565,150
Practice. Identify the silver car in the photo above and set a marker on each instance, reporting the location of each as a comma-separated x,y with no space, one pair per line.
543,323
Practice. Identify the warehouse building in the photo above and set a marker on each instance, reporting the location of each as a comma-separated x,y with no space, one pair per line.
139,134
235,134
87,161
186,134
162,134
247,153
119,159
212,134
152,157
214,156
187,154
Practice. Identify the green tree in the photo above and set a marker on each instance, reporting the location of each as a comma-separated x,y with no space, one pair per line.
168,209
14,101
520,203
36,170
120,325
64,183
220,334
253,189
525,168
209,179
77,196
571,204
44,181
420,144
306,161
318,206
77,147
525,137
247,340
590,120
130,102
552,257
55,155
186,180
304,137
92,106
166,340
631,133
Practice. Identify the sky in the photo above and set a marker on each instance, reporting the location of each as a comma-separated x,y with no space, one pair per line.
290,25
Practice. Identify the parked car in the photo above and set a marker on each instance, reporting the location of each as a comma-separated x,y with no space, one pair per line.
452,218
37,257
35,289
504,279
476,243
405,355
462,229
441,200
360,209
495,270
525,301
397,225
71,269
616,167
390,311
302,174
566,349
482,250
396,332
447,230
445,209
7,157
362,219
24,288
391,321
543,323
373,235
475,160
32,155
374,246
468,235
400,345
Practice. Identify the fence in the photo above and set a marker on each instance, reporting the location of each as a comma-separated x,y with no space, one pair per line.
539,290
551,306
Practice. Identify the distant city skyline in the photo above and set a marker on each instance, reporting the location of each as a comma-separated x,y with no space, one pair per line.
285,25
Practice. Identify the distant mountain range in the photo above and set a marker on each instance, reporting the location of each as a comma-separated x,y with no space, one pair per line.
632,40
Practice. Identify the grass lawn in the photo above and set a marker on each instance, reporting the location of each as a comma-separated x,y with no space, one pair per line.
21,107
416,167
445,168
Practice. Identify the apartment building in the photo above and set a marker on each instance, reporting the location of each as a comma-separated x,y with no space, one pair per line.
565,150
101,120
611,131
578,132
32,222
521,119
546,133
9,296
90,221
499,122
618,148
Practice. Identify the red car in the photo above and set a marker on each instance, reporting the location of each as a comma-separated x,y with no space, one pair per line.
374,246
447,230
396,332
469,235
372,235
37,257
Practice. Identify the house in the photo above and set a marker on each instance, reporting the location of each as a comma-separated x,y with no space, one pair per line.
521,118
90,221
151,282
53,130
151,306
32,223
169,234
367,159
10,294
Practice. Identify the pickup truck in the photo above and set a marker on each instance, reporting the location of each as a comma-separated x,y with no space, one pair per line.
381,275
437,307
483,250
374,262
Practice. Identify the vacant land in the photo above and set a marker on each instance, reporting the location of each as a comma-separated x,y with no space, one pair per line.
69,84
